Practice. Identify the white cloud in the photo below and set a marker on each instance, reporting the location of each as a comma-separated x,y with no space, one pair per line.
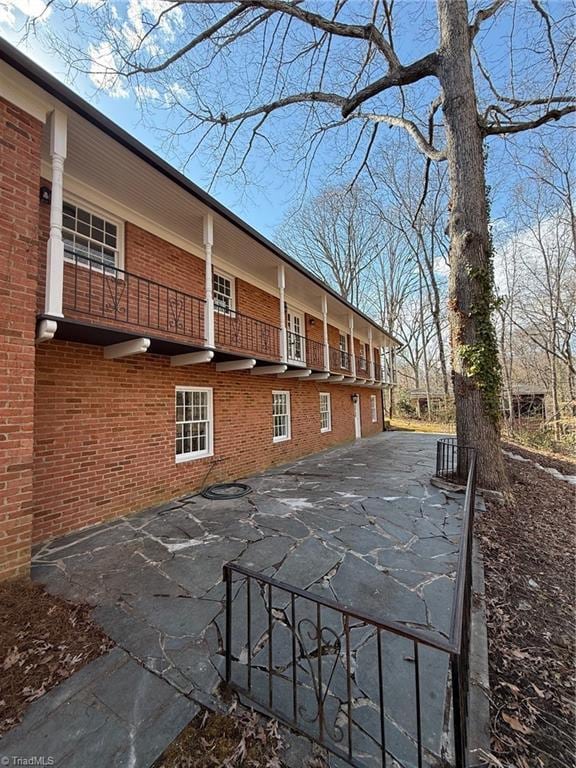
145,92
12,10
103,71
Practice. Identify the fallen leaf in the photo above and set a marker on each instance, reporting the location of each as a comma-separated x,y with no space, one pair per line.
515,724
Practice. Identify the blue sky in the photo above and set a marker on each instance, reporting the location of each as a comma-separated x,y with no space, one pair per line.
272,188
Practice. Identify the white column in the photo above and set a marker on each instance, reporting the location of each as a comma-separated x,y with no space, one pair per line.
55,250
208,292
282,290
370,355
352,355
325,327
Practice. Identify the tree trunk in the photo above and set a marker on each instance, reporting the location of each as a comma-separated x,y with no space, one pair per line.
476,417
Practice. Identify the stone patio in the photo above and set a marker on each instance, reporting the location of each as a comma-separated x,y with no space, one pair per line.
359,524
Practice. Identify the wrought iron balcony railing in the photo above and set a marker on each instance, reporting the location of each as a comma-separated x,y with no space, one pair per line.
362,366
340,361
100,292
241,333
296,347
315,354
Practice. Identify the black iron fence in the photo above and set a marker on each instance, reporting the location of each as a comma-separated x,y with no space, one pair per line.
242,333
293,654
362,366
108,293
340,360
315,354
453,461
296,347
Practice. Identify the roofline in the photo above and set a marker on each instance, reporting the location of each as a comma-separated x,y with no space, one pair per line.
52,85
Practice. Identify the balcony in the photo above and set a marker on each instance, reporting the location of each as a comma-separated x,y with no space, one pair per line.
362,367
240,333
340,361
105,305
95,293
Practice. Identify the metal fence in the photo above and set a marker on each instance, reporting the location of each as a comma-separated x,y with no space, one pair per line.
291,654
340,360
108,293
315,354
241,333
453,461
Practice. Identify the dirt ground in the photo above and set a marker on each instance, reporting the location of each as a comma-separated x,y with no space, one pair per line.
529,554
43,640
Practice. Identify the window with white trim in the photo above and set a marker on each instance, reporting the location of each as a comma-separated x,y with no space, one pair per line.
223,292
194,424
281,416
325,412
343,343
89,238
373,408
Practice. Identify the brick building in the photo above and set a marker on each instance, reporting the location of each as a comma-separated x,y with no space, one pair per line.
150,338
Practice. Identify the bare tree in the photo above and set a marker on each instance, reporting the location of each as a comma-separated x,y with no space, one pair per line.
336,235
340,69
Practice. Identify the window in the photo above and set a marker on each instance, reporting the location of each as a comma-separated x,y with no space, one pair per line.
193,423
281,416
373,408
325,412
223,291
343,350
89,239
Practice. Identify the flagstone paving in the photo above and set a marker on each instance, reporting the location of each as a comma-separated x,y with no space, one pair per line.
359,524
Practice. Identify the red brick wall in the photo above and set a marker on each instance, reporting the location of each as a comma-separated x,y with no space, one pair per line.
20,138
101,425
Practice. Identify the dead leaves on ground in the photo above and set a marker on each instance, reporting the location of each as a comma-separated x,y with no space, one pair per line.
45,640
528,549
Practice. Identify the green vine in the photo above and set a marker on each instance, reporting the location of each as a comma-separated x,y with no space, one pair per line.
481,359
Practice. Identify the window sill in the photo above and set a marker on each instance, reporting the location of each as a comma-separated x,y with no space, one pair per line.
281,439
326,429
184,457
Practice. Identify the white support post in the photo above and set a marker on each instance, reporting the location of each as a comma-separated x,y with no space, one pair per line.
282,290
55,250
352,353
209,294
325,326
370,355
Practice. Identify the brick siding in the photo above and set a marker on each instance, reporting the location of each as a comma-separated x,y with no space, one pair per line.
102,425
20,138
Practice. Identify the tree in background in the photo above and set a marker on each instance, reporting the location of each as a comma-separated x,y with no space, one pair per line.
339,69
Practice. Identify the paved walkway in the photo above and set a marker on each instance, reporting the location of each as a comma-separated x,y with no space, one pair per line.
359,524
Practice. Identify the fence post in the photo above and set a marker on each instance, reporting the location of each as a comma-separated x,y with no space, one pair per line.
228,641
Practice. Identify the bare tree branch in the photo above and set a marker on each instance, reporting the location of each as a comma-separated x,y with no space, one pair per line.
547,117
484,14
413,130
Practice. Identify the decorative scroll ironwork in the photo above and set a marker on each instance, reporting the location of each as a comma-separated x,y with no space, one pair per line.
313,640
108,293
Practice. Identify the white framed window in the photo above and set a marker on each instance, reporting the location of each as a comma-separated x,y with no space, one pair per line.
325,412
223,290
194,423
281,416
373,408
91,237
343,344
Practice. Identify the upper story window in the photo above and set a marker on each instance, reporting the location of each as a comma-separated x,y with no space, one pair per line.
223,292
343,342
325,412
193,423
281,416
89,238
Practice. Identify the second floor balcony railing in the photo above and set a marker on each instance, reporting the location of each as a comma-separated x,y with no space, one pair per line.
340,360
296,347
362,366
94,291
315,354
241,333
